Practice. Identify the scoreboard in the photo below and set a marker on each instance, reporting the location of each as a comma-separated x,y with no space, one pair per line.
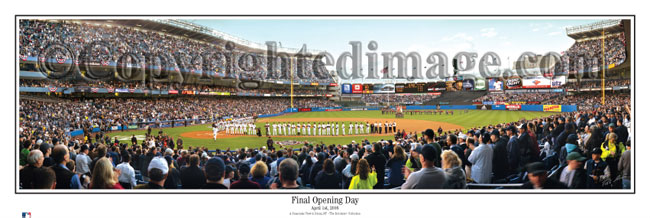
411,88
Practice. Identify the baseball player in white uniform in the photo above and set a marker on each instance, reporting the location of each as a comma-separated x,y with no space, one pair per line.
215,130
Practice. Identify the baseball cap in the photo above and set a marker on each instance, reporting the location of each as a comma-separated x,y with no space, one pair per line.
575,156
215,163
535,168
158,163
612,125
428,152
428,132
512,128
354,157
596,151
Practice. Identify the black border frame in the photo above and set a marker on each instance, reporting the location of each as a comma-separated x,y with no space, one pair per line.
16,99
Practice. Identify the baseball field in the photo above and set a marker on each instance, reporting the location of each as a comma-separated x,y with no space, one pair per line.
201,135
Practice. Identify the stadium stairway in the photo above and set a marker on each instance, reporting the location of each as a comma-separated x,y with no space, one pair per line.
456,98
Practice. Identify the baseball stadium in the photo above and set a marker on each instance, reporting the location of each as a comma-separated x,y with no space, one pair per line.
177,104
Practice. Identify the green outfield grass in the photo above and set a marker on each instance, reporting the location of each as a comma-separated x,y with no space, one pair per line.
474,118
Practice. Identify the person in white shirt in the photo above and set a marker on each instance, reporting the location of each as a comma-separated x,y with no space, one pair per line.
82,162
309,129
214,131
351,125
367,128
337,128
127,173
481,159
343,128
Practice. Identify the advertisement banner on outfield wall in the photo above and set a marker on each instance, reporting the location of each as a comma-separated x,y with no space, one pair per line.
483,107
553,108
513,107
495,85
346,88
304,109
383,88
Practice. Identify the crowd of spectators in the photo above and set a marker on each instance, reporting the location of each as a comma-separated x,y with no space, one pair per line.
615,52
163,86
103,44
593,99
65,115
586,149
598,84
524,97
404,99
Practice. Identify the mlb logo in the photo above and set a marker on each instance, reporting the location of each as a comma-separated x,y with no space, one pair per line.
27,214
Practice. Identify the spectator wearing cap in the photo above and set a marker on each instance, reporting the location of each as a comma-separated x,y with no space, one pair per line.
452,141
157,171
83,160
34,161
538,178
328,177
258,174
365,177
413,161
573,175
452,165
230,174
571,145
377,160
65,179
192,177
500,157
525,145
215,171
429,137
598,171
244,182
513,150
350,169
481,160
612,151
430,176
288,175
126,177
624,167
104,177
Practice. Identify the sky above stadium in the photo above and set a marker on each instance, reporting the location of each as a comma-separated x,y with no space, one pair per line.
507,37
